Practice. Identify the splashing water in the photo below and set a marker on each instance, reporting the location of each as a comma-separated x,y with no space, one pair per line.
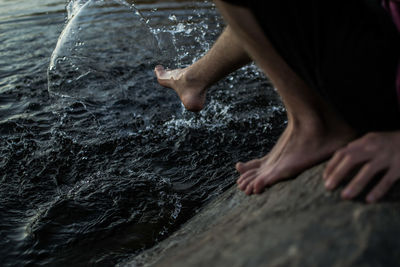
95,59
112,163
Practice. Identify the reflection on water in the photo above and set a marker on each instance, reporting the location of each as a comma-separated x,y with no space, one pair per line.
97,161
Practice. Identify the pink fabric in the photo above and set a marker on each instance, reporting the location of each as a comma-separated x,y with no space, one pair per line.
393,7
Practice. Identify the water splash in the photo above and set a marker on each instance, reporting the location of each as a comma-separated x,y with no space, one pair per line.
96,58
116,164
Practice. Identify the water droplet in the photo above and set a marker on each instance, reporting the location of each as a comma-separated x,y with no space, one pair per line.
172,18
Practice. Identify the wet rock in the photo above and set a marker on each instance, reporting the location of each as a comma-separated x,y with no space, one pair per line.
294,223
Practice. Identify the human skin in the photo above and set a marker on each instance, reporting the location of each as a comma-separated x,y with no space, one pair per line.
191,83
314,132
375,154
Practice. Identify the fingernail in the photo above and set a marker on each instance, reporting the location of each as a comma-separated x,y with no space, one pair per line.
371,199
328,184
347,193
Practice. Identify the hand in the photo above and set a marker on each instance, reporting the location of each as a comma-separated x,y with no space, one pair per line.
376,153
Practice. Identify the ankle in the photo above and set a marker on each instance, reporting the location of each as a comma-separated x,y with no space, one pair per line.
194,80
305,126
317,124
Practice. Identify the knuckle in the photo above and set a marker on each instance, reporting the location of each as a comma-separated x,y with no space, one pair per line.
373,140
370,147
341,153
356,146
349,158
371,136
352,145
338,153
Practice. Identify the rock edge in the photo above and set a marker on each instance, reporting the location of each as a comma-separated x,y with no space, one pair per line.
293,223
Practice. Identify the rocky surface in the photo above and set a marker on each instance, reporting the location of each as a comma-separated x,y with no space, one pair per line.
294,223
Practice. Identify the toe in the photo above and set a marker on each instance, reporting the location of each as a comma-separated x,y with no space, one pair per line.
249,189
159,70
166,75
242,186
163,76
244,167
245,175
259,184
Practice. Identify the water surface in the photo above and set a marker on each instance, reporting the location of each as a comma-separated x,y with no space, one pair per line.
97,161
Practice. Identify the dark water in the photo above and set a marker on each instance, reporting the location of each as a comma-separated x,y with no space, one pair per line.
97,161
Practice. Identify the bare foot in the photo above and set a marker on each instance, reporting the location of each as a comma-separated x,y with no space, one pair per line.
190,90
296,150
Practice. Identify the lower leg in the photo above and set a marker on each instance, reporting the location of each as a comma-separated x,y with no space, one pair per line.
299,99
191,83
314,131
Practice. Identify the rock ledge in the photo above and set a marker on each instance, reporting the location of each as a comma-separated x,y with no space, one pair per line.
294,223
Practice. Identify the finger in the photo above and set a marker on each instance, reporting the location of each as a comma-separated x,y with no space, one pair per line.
246,175
355,146
360,181
383,186
332,164
348,163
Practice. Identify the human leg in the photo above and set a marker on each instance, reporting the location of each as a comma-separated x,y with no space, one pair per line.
351,62
314,130
191,83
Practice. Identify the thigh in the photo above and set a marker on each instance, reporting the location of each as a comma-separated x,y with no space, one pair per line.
346,50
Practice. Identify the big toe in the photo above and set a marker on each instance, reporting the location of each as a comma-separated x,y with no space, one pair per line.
244,167
160,72
164,77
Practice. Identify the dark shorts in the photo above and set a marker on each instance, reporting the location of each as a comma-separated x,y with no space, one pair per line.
347,50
